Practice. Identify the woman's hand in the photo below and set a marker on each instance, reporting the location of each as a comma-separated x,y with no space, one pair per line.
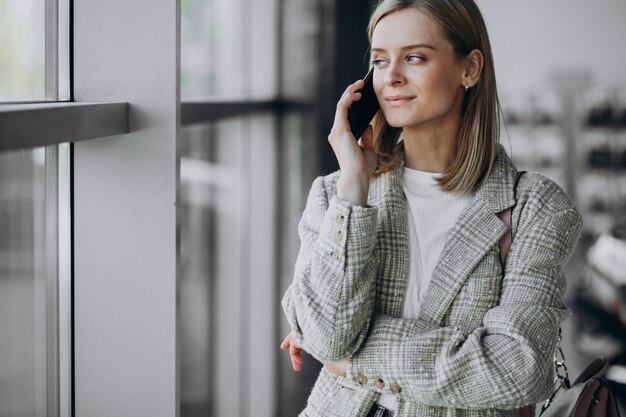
295,351
338,368
357,160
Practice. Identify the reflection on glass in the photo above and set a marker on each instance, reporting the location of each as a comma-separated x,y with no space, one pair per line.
212,192
22,50
197,263
197,45
228,48
23,283
229,283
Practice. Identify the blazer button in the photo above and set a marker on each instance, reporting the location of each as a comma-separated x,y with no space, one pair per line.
380,384
395,388
338,236
361,379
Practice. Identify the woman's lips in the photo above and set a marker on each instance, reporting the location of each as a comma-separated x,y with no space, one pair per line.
398,100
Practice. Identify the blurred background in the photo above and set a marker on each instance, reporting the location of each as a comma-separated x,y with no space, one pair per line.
271,71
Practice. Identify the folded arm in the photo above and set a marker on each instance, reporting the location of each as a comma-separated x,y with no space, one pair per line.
330,301
504,363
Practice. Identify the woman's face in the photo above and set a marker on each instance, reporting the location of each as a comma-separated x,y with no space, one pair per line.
417,77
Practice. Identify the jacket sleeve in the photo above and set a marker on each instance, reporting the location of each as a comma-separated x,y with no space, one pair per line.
330,301
507,361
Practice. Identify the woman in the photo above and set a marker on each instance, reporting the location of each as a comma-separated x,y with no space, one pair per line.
398,288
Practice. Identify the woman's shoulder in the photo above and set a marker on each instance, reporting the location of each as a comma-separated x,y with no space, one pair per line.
542,203
537,190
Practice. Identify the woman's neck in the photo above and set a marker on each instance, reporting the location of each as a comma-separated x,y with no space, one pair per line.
429,150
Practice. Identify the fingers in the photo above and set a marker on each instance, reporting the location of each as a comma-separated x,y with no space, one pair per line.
295,351
349,96
289,341
285,344
352,89
296,362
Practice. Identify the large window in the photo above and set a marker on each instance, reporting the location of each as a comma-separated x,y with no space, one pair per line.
248,143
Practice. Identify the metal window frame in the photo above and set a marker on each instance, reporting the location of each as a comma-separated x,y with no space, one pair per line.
51,50
210,110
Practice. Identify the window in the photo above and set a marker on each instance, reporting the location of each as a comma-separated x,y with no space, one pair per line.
35,215
229,48
34,50
247,149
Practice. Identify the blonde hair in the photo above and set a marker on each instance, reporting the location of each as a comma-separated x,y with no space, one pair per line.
463,25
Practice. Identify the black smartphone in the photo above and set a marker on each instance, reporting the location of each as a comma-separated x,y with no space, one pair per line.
361,112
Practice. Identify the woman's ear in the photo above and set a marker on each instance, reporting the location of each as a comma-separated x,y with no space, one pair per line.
473,67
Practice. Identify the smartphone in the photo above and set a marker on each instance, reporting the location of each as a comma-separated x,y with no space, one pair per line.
361,112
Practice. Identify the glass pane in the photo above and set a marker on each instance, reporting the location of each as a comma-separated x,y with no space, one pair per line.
212,192
22,50
29,280
22,283
229,249
229,48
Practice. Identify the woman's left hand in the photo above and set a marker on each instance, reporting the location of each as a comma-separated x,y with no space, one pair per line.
295,351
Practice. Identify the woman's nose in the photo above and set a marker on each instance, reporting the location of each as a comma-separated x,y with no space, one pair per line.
394,75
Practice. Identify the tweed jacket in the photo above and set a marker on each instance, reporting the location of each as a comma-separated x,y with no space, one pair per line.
484,339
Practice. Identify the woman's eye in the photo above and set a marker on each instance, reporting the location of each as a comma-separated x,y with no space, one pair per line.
414,58
378,62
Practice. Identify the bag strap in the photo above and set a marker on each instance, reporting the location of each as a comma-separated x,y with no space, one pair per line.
505,216
505,245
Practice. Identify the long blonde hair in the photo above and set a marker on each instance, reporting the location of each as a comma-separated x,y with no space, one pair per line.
479,129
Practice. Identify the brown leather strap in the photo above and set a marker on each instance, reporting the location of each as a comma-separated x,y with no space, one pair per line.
526,411
595,369
505,245
505,216
507,238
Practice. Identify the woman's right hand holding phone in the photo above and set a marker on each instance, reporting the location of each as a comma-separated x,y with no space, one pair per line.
357,160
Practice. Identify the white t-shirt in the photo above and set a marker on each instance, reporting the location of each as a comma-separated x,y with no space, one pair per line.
431,214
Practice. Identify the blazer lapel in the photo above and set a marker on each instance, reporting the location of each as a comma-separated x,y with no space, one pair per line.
476,231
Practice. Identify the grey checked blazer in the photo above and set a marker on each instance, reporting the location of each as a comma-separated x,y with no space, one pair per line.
483,342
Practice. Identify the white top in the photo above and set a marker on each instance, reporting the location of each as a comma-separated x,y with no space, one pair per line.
431,214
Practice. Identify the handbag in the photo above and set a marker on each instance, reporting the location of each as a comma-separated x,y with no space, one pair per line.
590,394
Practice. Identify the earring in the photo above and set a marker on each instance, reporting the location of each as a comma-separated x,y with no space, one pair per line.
467,86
